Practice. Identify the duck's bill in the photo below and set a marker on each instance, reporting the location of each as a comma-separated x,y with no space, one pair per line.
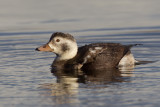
45,48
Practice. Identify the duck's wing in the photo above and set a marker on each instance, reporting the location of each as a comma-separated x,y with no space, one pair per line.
102,54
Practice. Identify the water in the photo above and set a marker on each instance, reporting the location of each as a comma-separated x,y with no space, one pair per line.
26,78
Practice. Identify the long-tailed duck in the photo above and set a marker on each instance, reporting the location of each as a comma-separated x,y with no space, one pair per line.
92,56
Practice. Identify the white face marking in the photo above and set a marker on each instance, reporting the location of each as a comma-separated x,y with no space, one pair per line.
64,55
51,46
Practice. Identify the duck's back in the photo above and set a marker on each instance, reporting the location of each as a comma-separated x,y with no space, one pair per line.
101,55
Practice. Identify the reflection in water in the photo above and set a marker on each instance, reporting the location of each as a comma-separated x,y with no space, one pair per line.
68,82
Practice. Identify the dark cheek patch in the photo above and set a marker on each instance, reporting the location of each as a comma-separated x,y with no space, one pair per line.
64,47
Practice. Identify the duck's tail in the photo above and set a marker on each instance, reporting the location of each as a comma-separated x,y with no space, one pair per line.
131,45
143,62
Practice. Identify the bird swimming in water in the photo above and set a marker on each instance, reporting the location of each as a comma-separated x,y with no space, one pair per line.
92,56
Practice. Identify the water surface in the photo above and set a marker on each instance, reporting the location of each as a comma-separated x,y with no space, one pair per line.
26,78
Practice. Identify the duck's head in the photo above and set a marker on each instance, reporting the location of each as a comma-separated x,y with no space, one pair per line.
63,45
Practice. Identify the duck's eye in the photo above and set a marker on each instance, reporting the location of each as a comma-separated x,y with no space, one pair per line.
57,40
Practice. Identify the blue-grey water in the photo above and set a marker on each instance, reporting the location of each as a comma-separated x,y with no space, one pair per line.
25,75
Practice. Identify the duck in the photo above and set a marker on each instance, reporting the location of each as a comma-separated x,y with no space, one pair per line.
90,56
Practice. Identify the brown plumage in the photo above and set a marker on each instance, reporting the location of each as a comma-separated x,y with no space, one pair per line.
92,56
